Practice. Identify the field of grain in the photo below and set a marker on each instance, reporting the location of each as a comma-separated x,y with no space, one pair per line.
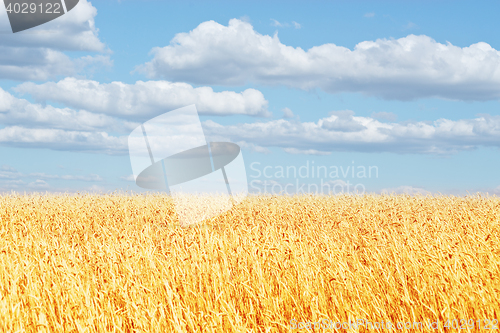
120,263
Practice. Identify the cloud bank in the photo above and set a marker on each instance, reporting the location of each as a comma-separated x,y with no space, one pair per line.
106,127
13,180
403,69
343,131
144,100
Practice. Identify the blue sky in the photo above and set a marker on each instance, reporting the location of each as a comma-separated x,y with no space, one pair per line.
409,87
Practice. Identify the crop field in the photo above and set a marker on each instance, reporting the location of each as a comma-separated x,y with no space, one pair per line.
121,263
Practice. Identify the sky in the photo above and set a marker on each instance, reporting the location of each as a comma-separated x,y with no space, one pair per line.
321,96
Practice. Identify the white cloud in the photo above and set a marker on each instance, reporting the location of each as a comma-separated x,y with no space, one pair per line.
306,152
13,184
405,68
96,189
410,190
14,111
343,121
37,53
276,23
10,173
410,25
8,168
339,186
11,179
89,178
337,182
385,116
287,113
342,131
369,15
496,190
129,178
42,63
7,172
56,139
252,147
74,31
36,126
39,184
144,100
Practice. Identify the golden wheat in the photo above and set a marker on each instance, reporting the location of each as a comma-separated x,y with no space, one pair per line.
120,263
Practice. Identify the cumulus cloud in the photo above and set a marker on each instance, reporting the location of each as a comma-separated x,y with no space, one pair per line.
342,131
405,68
144,100
74,31
38,53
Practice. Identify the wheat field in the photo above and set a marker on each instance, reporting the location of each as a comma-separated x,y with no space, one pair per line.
120,263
